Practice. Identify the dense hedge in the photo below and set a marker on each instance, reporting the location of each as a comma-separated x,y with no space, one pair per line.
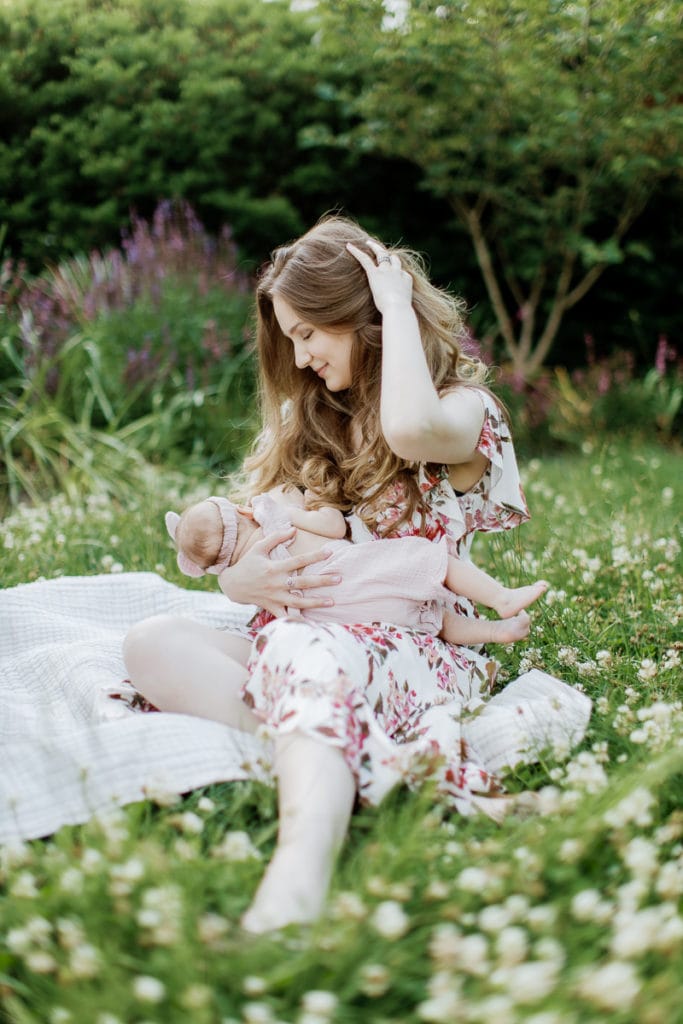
108,108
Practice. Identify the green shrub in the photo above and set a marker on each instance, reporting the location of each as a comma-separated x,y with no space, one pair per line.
147,345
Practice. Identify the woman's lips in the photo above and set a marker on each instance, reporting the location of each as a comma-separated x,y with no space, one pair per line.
322,369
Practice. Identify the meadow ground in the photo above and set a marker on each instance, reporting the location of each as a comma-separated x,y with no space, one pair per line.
571,917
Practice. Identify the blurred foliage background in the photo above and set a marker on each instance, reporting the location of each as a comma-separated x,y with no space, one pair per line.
153,152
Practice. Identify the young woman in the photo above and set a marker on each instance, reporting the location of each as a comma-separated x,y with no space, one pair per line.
368,401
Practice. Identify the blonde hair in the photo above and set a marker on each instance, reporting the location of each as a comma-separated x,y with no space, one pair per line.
305,439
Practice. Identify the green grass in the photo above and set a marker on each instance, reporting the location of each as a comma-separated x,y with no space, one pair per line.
573,917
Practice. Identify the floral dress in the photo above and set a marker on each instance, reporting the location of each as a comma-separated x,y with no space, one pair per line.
399,703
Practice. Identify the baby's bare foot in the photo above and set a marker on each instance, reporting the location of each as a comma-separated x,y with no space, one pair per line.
515,599
506,631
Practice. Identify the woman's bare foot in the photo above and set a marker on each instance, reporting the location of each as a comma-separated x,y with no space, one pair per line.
506,631
515,599
294,887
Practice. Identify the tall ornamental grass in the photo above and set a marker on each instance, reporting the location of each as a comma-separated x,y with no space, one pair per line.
573,916
140,352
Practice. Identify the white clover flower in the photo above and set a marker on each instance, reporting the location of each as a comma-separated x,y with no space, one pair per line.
161,795
85,961
588,905
257,1013
441,1009
40,961
630,895
206,804
236,846
14,854
512,945
498,1008
374,980
473,954
571,850
672,659
390,920
24,886
635,933
670,934
91,861
348,905
669,882
107,1018
550,949
495,917
586,773
253,985
148,989
647,670
542,916
636,808
71,880
473,879
212,928
613,986
527,982
319,1002
18,941
196,997
70,932
60,1015
437,890
39,930
641,857
444,945
188,821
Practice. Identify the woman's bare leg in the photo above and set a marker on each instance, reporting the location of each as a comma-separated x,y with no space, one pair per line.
468,580
182,666
316,791
461,629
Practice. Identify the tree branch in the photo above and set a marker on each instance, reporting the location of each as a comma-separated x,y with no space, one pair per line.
470,219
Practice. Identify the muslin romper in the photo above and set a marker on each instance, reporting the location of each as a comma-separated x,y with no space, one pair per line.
400,703
399,581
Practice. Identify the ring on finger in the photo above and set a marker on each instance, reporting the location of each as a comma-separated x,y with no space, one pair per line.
383,259
291,579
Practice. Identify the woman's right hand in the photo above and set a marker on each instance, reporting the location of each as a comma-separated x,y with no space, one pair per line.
275,584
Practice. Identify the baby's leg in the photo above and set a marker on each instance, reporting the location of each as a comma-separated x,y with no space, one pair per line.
459,629
466,579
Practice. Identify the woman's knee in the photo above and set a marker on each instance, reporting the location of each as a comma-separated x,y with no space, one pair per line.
148,642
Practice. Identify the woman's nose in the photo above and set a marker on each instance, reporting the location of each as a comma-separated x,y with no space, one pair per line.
302,356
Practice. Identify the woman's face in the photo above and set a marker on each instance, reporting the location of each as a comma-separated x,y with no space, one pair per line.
316,348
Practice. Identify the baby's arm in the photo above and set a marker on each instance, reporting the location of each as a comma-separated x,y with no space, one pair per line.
325,522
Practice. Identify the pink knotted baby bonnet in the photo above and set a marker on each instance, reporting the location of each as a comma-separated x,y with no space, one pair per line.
228,513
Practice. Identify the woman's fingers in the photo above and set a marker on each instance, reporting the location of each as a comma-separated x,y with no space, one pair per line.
365,261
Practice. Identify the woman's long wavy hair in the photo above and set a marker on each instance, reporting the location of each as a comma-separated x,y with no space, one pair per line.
306,439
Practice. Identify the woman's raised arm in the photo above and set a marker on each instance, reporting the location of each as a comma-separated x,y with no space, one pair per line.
417,423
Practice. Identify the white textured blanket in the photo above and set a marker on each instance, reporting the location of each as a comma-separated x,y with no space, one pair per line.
67,749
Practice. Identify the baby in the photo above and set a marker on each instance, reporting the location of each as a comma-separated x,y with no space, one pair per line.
409,581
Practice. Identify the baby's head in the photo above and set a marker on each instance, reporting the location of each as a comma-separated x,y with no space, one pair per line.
205,535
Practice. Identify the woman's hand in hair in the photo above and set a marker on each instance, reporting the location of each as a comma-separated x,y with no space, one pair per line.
275,584
391,286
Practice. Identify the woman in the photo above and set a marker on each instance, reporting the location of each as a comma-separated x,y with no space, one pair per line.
370,402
